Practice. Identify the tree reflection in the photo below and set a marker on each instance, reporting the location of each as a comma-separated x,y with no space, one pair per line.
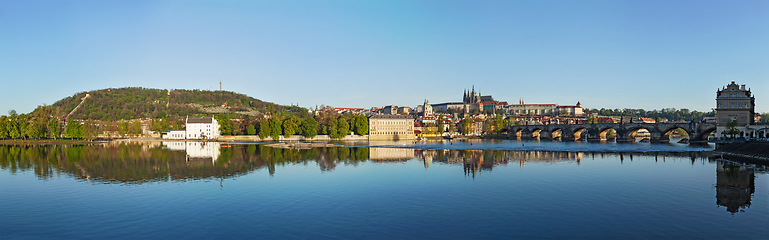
136,163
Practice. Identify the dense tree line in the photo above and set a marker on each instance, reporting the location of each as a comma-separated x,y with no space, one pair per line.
324,123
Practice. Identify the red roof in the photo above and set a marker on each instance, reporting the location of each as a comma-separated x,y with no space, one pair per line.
534,105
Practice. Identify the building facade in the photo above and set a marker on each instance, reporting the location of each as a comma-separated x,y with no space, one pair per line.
734,102
391,127
175,134
202,128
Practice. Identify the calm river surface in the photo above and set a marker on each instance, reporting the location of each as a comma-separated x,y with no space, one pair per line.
460,190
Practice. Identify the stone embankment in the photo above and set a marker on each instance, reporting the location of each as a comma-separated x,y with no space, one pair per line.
750,150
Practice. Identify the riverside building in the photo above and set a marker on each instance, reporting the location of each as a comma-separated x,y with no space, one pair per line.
735,102
391,127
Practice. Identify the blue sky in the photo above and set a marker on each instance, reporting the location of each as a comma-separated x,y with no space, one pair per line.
605,54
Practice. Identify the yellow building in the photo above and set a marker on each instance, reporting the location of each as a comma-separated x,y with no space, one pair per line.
391,127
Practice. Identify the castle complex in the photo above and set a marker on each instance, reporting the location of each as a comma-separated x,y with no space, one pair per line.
473,101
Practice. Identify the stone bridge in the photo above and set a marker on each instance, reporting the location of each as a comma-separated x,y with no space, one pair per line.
625,132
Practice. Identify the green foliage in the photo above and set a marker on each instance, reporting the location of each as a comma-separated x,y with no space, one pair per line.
264,128
251,130
122,127
73,129
22,121
53,128
160,125
36,130
466,122
226,126
361,125
91,130
441,125
343,128
134,103
309,127
290,126
333,125
731,128
13,128
136,127
275,128
4,127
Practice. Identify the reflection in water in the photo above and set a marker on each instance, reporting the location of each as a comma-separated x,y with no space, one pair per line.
391,154
475,161
136,163
734,186
197,152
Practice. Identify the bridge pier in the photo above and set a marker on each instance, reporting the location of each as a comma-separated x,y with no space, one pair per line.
547,135
659,138
526,134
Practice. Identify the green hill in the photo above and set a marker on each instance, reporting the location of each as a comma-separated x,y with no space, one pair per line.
135,102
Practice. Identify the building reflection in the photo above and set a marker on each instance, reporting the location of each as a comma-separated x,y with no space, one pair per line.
391,154
197,152
735,185
476,161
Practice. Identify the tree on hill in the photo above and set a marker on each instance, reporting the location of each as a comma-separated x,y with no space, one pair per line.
134,103
251,130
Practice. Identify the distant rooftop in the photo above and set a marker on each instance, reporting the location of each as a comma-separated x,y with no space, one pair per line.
200,120
392,116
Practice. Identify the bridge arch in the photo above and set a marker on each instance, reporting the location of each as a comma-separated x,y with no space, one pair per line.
556,133
604,133
667,132
580,133
632,133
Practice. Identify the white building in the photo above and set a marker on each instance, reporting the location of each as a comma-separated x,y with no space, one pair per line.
202,128
175,134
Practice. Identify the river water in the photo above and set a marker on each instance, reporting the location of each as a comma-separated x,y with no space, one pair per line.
414,190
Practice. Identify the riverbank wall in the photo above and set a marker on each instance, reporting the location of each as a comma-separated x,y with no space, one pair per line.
757,151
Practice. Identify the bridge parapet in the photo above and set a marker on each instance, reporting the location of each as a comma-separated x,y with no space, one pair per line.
659,132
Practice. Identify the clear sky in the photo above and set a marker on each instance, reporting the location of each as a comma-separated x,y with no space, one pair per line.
605,54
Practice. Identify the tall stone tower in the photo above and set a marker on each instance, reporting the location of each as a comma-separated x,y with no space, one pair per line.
734,102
